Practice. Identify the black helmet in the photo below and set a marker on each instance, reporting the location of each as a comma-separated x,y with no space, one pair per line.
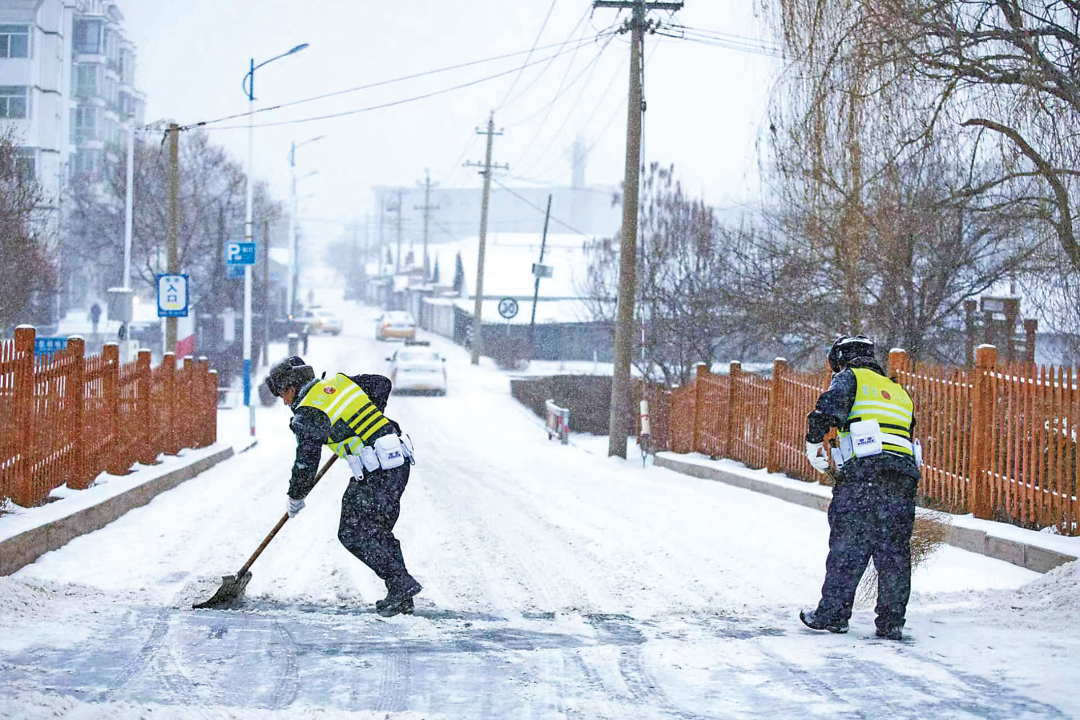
292,372
846,348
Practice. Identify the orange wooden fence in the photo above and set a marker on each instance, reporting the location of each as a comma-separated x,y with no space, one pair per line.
65,417
999,442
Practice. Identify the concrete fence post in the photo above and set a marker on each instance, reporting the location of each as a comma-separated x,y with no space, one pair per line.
76,410
772,420
982,407
23,492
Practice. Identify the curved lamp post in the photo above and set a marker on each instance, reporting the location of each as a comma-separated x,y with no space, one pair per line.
249,231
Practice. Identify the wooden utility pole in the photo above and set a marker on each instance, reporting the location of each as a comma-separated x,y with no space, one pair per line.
173,262
477,340
427,207
621,406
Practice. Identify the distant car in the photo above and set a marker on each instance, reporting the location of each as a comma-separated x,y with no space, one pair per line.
395,324
320,320
417,367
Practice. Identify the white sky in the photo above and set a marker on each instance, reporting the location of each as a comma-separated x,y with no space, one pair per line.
705,104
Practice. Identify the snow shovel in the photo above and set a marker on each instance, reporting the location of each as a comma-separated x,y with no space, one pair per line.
232,586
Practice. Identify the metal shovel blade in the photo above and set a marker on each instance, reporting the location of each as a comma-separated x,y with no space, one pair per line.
232,587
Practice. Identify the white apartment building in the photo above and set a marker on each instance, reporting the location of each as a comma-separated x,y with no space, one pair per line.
67,87
105,101
35,87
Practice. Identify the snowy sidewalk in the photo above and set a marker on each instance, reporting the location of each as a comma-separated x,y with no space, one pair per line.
28,533
1038,551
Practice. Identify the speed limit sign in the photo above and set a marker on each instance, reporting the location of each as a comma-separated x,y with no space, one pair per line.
508,308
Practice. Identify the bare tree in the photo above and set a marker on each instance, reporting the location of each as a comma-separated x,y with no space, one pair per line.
27,273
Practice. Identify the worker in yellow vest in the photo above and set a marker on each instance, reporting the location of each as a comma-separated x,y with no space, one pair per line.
346,414
872,512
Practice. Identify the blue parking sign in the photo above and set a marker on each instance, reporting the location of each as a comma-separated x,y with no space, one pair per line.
240,253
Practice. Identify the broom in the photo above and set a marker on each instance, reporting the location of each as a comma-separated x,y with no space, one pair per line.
931,528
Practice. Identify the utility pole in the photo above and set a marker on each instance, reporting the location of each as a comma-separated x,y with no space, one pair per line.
477,340
621,406
382,225
427,207
172,262
266,293
536,288
397,255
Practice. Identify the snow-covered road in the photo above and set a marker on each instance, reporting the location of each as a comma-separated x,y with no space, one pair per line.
557,583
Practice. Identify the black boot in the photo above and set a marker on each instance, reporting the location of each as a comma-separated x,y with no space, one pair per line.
406,609
895,632
400,596
813,622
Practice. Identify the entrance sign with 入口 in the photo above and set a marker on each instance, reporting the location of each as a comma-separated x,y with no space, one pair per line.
172,295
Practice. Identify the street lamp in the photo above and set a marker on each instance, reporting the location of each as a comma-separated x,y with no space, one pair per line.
290,290
249,229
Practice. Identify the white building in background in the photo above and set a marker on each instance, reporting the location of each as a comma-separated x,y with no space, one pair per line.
35,89
105,102
67,87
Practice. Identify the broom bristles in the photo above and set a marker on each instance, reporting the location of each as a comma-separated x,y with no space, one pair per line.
931,528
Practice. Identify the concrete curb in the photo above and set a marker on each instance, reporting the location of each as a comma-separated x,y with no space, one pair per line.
21,550
1027,556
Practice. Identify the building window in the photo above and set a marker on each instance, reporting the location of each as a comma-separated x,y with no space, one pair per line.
86,79
88,37
14,102
86,124
87,162
14,41
26,163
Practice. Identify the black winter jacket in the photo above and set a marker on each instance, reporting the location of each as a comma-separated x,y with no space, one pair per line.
312,427
832,410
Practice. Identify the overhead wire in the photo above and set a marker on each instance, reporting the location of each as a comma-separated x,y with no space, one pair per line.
529,56
562,82
381,83
586,72
539,209
573,108
380,106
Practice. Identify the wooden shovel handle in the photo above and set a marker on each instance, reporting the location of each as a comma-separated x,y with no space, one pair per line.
283,520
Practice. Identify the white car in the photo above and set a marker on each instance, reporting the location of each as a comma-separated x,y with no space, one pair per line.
417,367
320,320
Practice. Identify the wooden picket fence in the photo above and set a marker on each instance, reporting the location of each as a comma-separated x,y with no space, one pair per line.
65,417
998,442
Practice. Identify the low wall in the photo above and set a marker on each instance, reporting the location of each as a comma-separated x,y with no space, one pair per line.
22,549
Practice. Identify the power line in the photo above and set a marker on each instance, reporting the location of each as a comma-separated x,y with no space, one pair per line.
370,86
584,87
529,56
569,67
381,106
539,209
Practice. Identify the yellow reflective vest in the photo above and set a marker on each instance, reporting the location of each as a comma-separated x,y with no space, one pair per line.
879,398
353,416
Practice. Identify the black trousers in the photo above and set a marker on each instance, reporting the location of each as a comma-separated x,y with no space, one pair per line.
870,518
369,511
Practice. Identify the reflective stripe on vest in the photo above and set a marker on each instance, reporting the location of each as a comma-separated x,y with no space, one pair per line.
344,401
879,398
